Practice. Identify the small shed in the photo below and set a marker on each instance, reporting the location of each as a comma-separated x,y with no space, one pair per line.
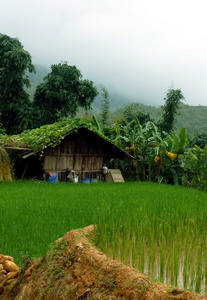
83,151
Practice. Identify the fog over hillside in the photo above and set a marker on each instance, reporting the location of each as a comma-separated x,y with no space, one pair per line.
116,98
135,48
193,118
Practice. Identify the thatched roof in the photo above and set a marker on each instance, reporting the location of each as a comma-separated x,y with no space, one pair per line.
36,140
40,138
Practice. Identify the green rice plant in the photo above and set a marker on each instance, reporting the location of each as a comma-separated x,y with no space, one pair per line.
134,252
159,229
186,264
33,215
199,266
162,261
205,270
166,225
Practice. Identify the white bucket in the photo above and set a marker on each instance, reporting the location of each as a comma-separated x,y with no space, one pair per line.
75,179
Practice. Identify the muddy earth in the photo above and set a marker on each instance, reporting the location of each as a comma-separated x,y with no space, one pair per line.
74,269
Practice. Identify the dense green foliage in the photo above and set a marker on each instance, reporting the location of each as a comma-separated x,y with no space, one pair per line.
192,118
61,93
157,157
195,168
15,110
129,112
200,139
2,130
158,229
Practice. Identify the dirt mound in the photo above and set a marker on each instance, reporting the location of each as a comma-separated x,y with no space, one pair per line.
74,269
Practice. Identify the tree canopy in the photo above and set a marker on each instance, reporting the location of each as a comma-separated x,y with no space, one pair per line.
105,105
170,109
14,101
62,92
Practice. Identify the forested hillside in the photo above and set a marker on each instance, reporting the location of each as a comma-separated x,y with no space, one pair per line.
193,118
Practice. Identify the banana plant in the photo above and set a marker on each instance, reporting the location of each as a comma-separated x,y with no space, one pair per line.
179,143
175,145
97,124
139,139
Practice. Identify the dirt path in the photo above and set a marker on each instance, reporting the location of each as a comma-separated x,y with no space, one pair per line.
74,269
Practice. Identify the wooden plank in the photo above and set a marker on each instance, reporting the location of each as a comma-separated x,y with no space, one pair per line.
17,148
61,163
47,163
72,147
70,162
86,163
64,158
82,154
78,163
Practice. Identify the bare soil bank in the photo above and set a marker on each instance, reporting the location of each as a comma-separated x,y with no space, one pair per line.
74,269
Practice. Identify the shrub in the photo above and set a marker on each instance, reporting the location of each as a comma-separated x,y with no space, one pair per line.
195,168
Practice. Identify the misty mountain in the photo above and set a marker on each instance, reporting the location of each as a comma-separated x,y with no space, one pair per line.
36,78
41,71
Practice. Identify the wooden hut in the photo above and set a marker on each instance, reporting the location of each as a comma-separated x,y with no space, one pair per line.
62,147
82,151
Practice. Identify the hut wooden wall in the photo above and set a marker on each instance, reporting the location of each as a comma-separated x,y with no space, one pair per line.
79,152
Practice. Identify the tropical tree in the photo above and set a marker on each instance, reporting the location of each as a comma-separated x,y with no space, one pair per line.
62,92
170,109
173,146
14,101
105,105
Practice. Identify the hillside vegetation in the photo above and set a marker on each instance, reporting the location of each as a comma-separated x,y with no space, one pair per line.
193,118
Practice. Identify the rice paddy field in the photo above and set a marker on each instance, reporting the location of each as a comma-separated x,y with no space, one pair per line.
160,230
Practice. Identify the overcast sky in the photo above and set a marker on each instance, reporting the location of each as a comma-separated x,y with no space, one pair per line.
135,47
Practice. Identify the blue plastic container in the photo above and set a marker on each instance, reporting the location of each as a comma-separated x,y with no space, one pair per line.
86,180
